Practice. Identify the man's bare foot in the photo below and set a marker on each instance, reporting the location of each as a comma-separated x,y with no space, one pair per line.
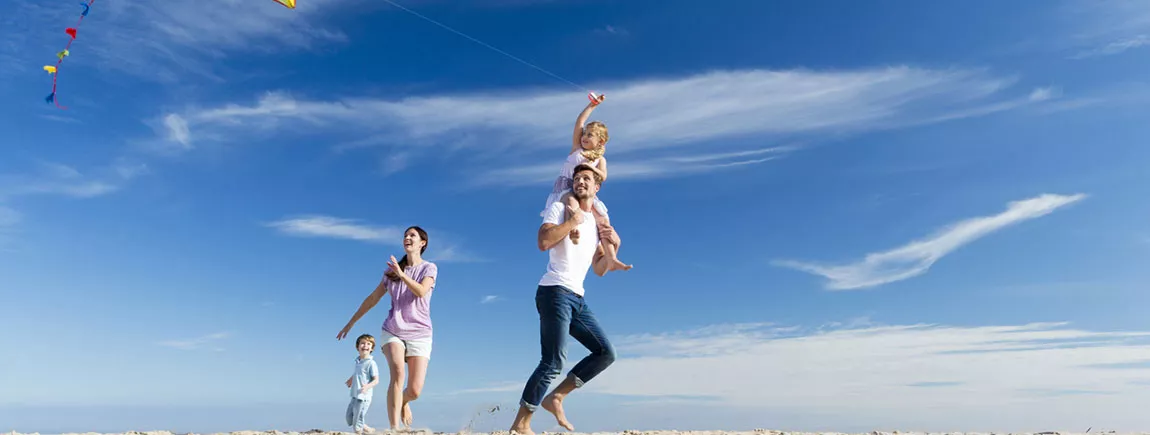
522,430
405,414
554,405
574,234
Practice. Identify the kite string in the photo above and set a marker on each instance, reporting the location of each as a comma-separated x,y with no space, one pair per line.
580,87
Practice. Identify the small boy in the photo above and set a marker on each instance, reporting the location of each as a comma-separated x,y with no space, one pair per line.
362,382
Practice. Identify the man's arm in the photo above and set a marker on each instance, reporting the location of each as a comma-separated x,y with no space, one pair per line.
551,234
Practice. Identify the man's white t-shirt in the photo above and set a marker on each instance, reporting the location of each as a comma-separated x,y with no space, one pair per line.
569,262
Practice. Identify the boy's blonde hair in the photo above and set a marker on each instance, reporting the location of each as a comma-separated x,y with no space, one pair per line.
367,337
599,129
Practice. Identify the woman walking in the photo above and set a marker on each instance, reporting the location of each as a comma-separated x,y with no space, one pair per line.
406,334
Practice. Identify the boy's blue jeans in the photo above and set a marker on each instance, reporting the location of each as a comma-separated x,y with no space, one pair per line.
357,413
562,312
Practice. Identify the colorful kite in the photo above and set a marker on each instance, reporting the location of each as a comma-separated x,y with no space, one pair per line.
289,3
53,70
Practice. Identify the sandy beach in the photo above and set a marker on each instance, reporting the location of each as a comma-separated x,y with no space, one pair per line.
627,432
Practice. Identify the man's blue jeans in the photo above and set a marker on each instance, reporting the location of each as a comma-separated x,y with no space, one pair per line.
562,312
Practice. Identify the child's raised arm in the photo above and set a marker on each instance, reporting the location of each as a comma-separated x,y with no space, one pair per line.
577,138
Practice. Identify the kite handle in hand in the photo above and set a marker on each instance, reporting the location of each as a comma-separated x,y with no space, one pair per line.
595,99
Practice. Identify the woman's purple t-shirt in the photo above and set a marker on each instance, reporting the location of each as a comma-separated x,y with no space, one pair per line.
410,315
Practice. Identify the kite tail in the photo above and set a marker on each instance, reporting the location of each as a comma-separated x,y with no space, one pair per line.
71,31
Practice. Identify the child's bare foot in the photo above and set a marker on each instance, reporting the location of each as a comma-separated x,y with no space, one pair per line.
554,405
405,414
574,234
619,265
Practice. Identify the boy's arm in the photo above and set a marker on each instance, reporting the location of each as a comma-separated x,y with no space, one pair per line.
577,138
374,377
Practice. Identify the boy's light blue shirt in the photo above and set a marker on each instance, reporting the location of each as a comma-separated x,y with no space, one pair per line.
365,372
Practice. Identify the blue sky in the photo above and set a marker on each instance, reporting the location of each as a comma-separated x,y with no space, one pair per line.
843,215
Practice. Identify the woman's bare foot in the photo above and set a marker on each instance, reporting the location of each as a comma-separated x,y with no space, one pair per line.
554,404
405,414
522,431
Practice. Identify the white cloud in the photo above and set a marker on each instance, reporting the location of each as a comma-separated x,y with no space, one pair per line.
650,113
339,228
1043,94
736,111
947,376
633,168
60,179
178,130
1106,27
197,343
1116,47
489,299
167,40
441,248
916,257
394,162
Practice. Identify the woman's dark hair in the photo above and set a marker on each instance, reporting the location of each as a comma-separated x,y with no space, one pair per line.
403,261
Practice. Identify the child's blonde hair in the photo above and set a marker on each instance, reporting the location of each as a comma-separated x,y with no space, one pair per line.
369,339
598,129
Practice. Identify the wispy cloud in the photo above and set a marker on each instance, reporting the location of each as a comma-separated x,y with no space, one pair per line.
916,257
643,114
198,342
737,111
59,179
633,169
337,228
612,30
321,226
1116,47
489,299
953,374
1106,27
167,40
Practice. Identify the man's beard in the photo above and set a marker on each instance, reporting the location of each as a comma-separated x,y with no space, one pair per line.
581,196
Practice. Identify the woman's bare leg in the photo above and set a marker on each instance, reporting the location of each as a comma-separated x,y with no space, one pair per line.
394,352
417,369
